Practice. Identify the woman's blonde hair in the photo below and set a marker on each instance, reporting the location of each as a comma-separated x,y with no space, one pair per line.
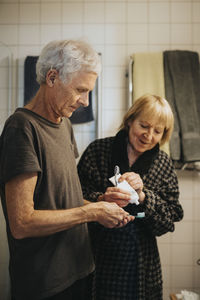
151,107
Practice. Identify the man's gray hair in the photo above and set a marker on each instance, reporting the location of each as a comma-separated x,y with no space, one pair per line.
67,57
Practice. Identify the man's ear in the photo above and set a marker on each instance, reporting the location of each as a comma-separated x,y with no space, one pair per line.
51,77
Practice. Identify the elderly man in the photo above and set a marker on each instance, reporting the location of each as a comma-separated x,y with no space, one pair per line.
46,216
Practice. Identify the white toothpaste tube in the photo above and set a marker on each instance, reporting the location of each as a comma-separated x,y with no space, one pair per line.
126,186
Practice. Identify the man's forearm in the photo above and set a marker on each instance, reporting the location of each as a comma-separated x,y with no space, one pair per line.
25,221
47,222
85,202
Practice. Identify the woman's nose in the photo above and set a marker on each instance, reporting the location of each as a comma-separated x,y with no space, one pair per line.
149,134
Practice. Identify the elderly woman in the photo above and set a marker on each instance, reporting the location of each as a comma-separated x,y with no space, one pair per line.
127,259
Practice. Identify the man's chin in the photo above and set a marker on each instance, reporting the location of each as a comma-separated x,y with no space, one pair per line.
67,114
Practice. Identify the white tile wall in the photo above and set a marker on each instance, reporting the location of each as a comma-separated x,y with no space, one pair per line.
112,99
29,34
159,34
70,31
115,55
50,13
196,12
29,13
94,33
94,12
183,276
115,12
137,12
159,12
9,34
9,13
49,32
115,34
116,28
114,77
181,34
185,258
76,17
181,12
137,33
196,35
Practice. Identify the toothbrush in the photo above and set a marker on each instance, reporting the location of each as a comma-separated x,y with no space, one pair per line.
116,173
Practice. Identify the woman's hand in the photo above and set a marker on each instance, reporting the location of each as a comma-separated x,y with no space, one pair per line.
135,182
117,195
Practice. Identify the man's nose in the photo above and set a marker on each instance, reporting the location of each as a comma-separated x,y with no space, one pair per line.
84,100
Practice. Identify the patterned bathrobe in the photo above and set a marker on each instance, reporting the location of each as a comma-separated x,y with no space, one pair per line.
127,259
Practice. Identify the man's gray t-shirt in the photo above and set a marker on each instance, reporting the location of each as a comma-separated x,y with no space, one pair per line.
43,266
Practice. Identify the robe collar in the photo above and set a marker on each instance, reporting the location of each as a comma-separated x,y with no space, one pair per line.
120,156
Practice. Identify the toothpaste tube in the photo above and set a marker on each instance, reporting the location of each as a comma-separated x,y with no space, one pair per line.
126,186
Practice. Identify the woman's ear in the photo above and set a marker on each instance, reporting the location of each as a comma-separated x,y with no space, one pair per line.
129,123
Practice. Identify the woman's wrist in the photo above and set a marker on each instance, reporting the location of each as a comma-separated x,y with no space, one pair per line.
141,197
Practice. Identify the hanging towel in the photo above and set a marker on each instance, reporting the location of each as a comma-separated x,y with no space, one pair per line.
81,115
148,74
30,84
148,77
182,88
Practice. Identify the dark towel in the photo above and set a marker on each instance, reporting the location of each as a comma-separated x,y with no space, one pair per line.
81,115
30,84
182,90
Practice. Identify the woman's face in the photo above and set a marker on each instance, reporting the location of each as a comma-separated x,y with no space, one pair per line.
144,134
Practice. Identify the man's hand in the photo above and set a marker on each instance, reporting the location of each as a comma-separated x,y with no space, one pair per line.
110,214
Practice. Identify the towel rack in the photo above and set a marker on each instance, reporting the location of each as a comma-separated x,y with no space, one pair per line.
130,82
10,56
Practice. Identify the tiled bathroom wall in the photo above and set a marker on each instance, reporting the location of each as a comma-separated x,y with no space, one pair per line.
116,28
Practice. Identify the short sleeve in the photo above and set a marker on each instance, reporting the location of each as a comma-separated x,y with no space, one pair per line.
17,153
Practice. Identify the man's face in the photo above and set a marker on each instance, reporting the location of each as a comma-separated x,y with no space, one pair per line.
70,96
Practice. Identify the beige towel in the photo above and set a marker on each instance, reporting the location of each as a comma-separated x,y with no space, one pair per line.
148,77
